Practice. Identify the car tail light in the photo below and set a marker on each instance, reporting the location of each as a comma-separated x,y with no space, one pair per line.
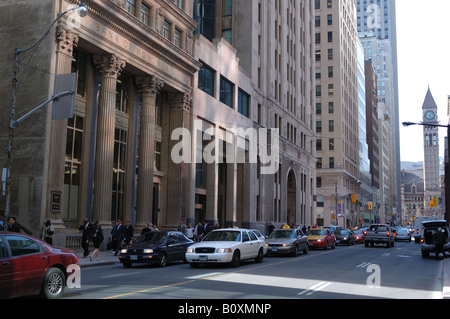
421,240
417,231
387,233
365,232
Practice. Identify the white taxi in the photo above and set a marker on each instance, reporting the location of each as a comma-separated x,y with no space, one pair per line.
226,245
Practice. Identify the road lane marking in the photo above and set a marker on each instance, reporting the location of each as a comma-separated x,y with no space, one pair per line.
363,265
317,287
119,275
205,275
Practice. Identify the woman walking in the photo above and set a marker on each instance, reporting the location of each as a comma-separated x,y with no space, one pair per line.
97,239
47,232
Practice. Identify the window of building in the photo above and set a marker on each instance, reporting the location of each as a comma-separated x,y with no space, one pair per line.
331,125
145,14
228,35
72,167
122,92
226,92
206,80
227,8
205,16
166,29
158,156
318,126
119,170
243,103
131,7
79,63
331,144
177,37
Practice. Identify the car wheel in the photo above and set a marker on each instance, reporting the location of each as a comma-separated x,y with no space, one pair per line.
259,258
305,251
163,260
54,284
236,260
295,251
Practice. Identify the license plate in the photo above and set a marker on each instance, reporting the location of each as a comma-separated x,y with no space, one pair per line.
274,249
203,258
133,257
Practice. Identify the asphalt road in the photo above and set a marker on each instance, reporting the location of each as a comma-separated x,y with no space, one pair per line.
343,273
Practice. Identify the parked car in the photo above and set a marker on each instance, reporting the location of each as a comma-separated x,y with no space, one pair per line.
287,241
262,238
227,245
29,266
403,234
427,243
321,238
155,247
345,237
359,236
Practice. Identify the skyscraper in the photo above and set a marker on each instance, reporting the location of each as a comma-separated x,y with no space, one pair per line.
377,32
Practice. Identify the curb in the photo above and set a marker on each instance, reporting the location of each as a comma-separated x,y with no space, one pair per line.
446,278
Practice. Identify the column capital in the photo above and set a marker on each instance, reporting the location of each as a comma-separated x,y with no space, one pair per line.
66,40
109,64
181,101
149,84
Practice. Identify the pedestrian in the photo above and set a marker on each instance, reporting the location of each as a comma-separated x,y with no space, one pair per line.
190,232
270,229
86,229
120,232
13,226
47,232
128,232
439,241
182,227
198,232
206,229
146,229
304,229
97,239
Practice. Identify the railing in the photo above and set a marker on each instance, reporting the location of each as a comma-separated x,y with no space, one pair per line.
74,242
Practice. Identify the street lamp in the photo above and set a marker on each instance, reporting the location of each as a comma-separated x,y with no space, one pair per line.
82,12
447,165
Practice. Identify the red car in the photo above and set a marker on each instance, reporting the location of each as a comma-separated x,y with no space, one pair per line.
359,236
29,266
321,238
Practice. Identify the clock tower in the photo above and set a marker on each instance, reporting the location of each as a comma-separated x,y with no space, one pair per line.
431,153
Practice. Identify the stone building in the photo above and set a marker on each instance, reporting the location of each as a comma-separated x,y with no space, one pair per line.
138,64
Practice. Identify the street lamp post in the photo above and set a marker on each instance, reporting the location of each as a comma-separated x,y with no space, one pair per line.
446,163
82,11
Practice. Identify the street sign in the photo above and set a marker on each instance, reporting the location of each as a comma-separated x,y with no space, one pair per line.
63,106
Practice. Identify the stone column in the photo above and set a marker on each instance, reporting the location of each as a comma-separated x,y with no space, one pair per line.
179,175
110,67
149,87
66,41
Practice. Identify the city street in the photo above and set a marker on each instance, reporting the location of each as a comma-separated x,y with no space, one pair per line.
345,272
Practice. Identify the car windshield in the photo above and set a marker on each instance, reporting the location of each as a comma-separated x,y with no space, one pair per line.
357,231
344,231
152,237
282,234
317,232
381,228
226,235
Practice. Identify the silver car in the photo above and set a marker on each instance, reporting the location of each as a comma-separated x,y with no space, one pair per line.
403,234
287,241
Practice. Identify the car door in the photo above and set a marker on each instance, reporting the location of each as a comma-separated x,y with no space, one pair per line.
255,244
5,270
302,241
29,263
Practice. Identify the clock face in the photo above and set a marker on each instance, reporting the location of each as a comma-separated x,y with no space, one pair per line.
429,115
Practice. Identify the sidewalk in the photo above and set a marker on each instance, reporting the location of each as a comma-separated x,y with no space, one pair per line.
105,258
446,278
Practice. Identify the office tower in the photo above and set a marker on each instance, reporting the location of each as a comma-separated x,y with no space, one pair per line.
337,130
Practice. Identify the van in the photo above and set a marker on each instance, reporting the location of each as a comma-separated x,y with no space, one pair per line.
429,229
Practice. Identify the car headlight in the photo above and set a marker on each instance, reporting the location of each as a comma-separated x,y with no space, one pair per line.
190,250
148,251
320,239
223,250
123,251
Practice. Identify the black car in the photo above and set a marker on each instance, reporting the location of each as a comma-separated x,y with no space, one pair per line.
344,237
156,247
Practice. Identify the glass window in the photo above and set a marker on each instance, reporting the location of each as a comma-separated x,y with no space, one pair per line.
226,92
166,29
227,7
243,103
145,14
21,246
205,15
122,92
119,170
228,35
206,80
79,62
177,38
131,6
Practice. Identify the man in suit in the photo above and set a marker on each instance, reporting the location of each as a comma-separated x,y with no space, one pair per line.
120,234
86,228
13,226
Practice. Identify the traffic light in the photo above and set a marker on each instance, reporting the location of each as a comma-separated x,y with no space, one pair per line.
435,202
370,205
353,198
431,204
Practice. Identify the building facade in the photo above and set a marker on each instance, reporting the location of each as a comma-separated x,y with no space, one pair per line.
336,92
152,75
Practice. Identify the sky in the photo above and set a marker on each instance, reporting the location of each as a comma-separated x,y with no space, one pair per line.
423,40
